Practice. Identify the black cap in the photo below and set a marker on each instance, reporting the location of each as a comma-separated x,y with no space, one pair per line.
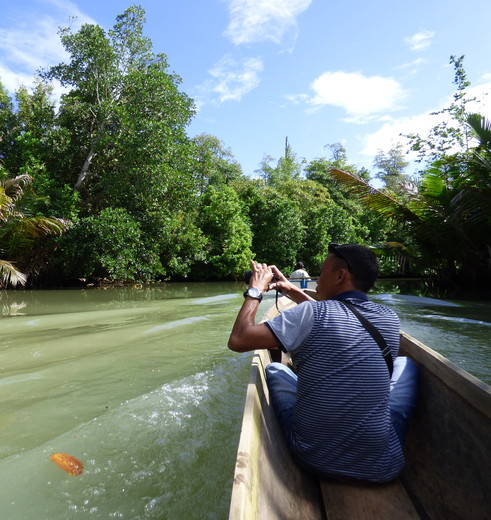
361,262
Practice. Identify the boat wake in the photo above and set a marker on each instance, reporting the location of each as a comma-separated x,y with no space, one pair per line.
137,456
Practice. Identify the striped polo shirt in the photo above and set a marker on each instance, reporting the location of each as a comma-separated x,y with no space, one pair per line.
342,424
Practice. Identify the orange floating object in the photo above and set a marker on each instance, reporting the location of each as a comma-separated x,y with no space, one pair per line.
68,463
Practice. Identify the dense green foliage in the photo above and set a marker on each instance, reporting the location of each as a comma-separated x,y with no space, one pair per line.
448,215
22,249
107,185
110,244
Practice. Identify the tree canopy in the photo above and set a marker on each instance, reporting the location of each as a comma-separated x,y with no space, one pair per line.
107,185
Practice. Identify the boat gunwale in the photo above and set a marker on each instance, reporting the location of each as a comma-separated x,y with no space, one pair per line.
445,377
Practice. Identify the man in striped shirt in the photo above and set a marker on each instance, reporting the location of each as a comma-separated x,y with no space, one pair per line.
341,414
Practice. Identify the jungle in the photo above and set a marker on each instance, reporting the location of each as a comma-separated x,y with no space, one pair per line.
104,185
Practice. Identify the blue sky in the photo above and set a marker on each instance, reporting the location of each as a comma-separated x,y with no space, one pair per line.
315,71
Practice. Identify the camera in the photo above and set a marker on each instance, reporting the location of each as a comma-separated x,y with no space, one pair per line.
248,274
247,277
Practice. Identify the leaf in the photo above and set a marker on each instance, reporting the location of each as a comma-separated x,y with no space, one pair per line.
68,463
10,275
481,127
373,198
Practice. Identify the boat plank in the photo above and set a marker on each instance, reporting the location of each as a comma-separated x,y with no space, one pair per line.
364,502
448,448
268,485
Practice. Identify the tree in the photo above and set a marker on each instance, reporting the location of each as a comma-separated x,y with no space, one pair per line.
318,169
7,124
109,246
288,167
277,230
126,119
391,166
214,164
354,221
229,237
449,220
339,155
38,143
451,134
124,143
21,232
276,224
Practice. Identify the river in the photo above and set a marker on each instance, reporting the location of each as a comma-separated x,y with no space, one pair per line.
138,384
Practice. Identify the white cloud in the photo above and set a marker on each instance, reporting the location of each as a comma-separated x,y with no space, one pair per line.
254,21
363,97
297,99
420,41
12,81
391,133
34,43
413,66
232,79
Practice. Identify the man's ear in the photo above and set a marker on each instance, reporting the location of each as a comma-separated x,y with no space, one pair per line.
341,275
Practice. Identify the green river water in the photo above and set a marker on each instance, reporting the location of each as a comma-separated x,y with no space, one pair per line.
138,384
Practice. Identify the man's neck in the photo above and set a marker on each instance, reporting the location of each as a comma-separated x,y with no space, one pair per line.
350,293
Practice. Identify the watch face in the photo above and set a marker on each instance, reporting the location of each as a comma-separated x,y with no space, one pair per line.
253,292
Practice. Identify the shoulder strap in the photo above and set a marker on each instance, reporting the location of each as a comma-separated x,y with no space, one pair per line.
374,332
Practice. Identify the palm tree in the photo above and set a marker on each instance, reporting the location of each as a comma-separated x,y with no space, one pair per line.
20,231
449,217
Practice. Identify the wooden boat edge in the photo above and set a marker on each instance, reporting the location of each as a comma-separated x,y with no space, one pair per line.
456,489
265,474
473,390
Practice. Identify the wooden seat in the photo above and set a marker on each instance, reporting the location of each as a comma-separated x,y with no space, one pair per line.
367,502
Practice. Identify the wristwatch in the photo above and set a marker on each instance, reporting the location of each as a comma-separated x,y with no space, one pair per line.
253,292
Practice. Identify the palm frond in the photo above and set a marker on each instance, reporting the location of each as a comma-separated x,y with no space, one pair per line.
5,203
373,198
14,187
10,275
472,207
432,185
38,227
481,126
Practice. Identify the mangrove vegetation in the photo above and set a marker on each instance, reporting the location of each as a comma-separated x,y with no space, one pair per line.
105,184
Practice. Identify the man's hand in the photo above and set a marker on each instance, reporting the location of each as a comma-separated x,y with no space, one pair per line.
246,335
261,276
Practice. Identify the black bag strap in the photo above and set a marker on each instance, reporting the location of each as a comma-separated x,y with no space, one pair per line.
374,332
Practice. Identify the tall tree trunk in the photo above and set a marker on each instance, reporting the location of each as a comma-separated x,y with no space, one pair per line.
84,173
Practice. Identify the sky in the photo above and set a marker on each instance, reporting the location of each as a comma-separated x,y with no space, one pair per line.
317,72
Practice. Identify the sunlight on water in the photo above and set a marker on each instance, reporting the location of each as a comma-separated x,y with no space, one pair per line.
139,385
139,389
458,330
150,457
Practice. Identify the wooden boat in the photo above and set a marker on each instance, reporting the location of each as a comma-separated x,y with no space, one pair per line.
448,451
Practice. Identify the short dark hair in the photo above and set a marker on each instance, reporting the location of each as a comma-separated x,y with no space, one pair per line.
361,263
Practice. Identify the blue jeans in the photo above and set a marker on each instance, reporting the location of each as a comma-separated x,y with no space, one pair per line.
403,394
282,384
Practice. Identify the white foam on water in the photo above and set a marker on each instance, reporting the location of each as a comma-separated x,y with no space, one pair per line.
174,324
136,456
